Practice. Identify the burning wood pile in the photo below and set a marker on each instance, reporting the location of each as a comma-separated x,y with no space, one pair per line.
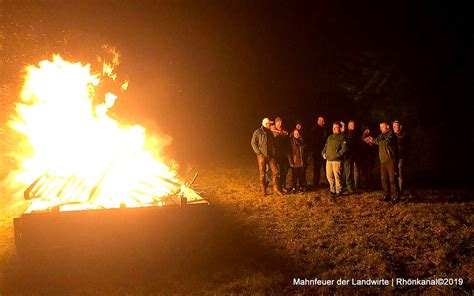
74,154
73,193
91,180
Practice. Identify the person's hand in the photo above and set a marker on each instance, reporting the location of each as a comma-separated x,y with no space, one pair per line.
324,156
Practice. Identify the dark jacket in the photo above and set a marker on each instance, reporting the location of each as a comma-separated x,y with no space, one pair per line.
263,142
402,144
367,152
388,146
282,145
297,156
353,144
335,147
318,138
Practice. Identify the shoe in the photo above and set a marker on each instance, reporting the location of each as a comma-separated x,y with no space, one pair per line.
385,198
332,193
293,190
396,200
284,190
278,192
302,189
339,194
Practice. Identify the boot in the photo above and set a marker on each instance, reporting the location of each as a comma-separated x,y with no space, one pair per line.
276,184
276,190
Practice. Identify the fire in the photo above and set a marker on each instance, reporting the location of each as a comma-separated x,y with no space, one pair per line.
77,157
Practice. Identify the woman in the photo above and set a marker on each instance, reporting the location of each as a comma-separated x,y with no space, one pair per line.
297,159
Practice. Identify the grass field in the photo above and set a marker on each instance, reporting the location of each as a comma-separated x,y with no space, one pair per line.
258,245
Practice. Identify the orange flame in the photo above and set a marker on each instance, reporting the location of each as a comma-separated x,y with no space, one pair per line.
80,157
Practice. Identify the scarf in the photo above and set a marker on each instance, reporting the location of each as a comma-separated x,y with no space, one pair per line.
298,142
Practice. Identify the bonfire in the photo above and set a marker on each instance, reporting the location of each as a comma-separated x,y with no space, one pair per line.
75,155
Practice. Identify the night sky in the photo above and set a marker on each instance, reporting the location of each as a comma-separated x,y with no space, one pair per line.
207,72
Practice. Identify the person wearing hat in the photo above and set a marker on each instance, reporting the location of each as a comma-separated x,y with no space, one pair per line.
264,147
388,155
282,149
402,153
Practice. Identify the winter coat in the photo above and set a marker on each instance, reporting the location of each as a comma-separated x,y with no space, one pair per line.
297,156
282,145
388,146
263,142
335,147
353,144
367,151
402,144
318,137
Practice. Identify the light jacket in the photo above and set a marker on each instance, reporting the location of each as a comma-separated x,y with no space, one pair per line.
263,142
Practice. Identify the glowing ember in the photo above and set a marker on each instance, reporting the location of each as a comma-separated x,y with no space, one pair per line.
78,157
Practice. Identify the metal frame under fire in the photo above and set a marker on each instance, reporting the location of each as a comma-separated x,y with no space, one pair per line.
101,229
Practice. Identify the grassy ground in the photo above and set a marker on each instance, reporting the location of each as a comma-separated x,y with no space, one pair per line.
257,245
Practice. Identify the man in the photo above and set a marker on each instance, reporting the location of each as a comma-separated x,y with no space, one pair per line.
282,145
318,139
333,152
263,145
388,155
351,162
402,153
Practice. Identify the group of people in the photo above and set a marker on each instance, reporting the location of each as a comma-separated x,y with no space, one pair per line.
346,154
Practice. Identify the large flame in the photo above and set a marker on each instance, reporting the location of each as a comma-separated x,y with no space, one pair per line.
78,157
